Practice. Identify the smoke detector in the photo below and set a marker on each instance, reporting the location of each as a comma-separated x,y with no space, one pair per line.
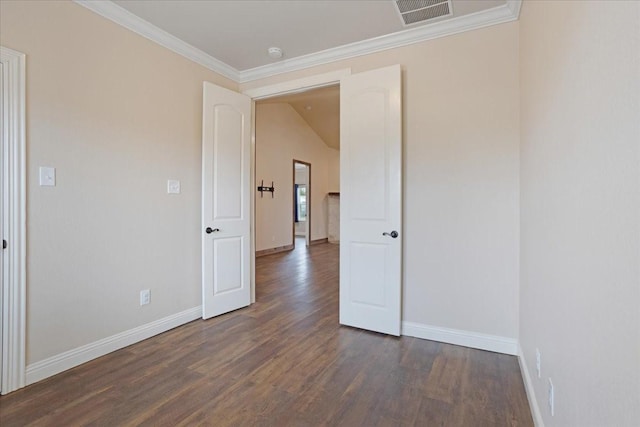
274,52
417,11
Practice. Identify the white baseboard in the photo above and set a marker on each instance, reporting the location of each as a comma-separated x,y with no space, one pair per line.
72,358
464,338
528,386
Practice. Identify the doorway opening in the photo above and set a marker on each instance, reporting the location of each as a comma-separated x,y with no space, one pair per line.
294,131
301,201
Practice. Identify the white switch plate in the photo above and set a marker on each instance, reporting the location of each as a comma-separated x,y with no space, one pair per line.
47,176
173,186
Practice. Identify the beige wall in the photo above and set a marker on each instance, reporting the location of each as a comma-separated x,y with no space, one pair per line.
282,136
117,115
580,250
460,126
334,170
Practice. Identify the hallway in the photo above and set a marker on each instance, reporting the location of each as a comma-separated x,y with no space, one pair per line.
284,361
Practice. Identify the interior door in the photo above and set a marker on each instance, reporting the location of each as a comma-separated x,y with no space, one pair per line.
226,189
3,254
371,200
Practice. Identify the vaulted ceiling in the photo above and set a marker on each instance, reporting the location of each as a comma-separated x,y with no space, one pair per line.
320,108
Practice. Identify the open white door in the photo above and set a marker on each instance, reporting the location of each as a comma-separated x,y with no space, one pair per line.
226,189
371,200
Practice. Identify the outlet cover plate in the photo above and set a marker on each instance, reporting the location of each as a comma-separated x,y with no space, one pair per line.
145,297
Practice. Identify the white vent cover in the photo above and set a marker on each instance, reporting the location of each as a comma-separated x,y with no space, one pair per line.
416,11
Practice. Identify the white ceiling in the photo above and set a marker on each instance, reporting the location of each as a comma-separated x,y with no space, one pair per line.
238,33
232,37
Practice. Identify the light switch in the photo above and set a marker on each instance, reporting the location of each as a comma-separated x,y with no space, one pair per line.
47,176
173,186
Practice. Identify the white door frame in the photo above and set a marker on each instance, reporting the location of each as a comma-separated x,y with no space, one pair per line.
291,86
13,310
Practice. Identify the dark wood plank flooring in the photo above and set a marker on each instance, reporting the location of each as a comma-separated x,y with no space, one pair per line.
284,361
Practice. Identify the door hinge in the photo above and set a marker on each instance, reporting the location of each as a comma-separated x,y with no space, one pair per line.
4,244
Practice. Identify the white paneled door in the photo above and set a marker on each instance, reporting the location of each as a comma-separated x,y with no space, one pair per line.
226,188
371,200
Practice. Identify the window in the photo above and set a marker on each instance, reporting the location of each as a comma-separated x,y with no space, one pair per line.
301,202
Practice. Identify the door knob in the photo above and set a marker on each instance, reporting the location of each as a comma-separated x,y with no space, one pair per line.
393,234
210,230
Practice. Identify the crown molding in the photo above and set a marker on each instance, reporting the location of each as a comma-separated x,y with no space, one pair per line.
497,15
123,17
514,6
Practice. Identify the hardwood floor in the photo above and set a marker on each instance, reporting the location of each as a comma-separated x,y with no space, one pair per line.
284,361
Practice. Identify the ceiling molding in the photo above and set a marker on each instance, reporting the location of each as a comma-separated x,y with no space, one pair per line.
138,25
497,15
515,6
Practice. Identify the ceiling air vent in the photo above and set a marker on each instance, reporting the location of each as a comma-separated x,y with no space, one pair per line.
416,11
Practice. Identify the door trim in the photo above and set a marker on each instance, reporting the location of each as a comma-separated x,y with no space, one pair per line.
298,85
308,220
302,84
13,367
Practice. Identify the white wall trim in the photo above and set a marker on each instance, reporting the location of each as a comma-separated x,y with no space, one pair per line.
528,386
298,85
13,284
459,337
123,17
497,15
72,358
485,18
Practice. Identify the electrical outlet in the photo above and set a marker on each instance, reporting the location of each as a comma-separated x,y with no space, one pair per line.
551,398
538,362
145,297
